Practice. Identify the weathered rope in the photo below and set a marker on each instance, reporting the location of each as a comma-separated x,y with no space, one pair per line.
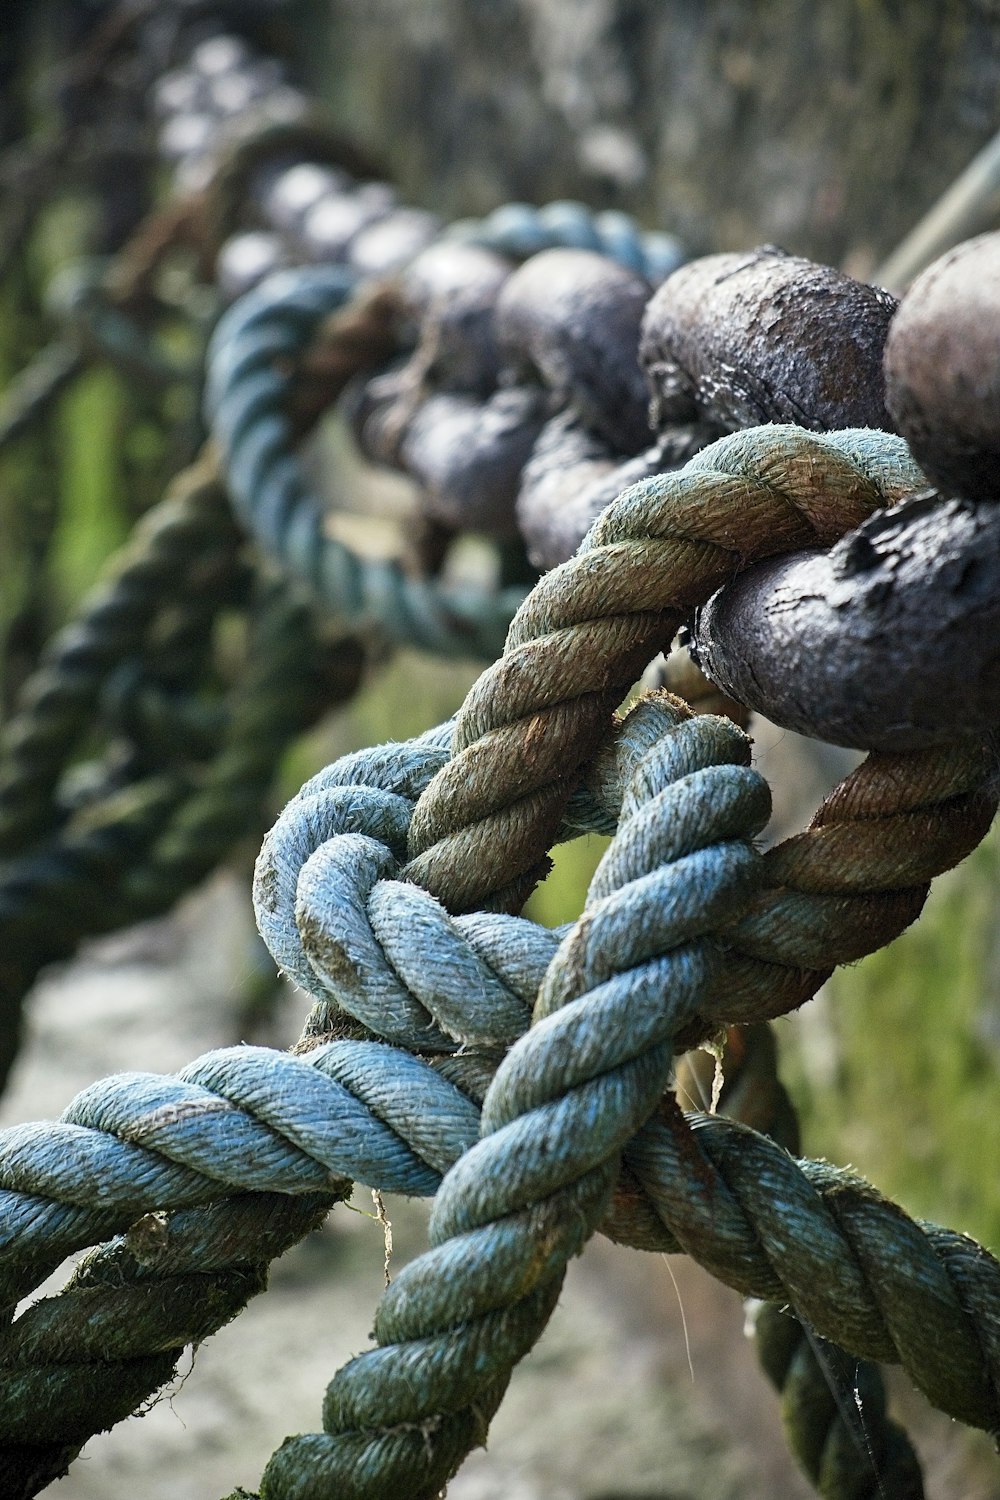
189,540
199,1268
823,1241
409,1104
834,1416
514,1208
314,814
819,891
520,230
588,628
130,853
833,1406
247,398
371,1403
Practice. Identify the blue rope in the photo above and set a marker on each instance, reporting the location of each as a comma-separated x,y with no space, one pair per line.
565,1100
522,229
572,1091
140,1142
247,409
247,401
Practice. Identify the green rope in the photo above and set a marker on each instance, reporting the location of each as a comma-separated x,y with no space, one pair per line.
186,543
134,852
833,1407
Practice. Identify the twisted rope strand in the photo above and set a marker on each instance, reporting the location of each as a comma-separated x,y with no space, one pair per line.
248,406
564,1101
581,638
520,230
165,1129
190,536
827,1429
833,1406
848,1261
291,847
858,875
84,1360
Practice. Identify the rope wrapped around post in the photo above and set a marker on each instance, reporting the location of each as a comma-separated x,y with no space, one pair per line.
247,397
888,639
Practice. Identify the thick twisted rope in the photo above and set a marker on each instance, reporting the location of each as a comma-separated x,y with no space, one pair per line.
198,1268
189,539
833,1406
587,629
834,1416
565,1099
247,404
820,1239
417,1120
370,1448
519,230
313,815
315,1115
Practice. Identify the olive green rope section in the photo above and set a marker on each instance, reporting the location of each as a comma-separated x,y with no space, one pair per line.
587,629
834,1416
188,541
857,876
199,1272
134,852
833,1406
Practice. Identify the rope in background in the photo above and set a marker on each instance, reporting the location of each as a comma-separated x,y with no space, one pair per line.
60,696
833,1406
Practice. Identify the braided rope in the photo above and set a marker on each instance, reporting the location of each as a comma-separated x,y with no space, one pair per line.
846,1444
820,1239
306,827
585,632
131,853
520,230
396,1420
190,537
174,1146
833,1407
247,400
821,868
200,1268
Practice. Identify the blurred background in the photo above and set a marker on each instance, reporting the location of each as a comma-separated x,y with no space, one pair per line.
827,129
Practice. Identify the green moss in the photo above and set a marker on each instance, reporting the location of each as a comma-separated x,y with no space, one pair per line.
400,699
92,520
